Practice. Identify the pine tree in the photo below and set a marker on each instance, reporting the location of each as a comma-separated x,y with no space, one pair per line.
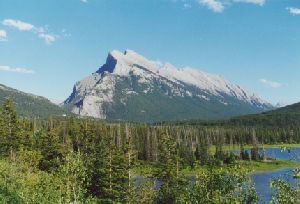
202,151
75,134
48,142
10,128
172,182
254,150
3,138
130,159
73,175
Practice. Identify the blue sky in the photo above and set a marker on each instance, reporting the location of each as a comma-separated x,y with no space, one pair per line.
46,46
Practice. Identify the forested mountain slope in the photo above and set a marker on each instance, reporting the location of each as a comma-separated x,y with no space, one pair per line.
29,105
283,117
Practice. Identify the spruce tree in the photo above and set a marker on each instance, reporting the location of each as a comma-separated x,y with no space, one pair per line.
48,143
10,129
168,173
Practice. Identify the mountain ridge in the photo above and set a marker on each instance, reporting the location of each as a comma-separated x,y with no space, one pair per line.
101,96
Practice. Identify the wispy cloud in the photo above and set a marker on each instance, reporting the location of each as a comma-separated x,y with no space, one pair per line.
48,38
218,6
293,10
16,70
257,2
214,5
41,32
3,35
84,1
22,26
270,83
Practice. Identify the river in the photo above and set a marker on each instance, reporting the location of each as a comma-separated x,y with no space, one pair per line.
262,180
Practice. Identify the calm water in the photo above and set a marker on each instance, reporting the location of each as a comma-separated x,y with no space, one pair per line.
262,180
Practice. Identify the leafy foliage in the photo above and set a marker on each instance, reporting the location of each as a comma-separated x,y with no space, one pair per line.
216,185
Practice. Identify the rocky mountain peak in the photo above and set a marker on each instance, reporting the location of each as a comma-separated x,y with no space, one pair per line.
128,82
122,63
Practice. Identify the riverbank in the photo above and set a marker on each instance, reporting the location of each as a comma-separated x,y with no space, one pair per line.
146,169
212,148
253,167
261,166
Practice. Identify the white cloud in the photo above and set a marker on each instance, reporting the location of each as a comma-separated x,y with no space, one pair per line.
84,1
293,10
219,6
214,5
41,32
18,24
257,2
17,70
272,84
3,35
48,38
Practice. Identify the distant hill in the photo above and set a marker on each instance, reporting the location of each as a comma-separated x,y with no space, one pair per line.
29,105
293,109
282,117
130,87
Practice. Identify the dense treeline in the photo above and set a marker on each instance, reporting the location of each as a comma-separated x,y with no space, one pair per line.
270,128
86,161
283,118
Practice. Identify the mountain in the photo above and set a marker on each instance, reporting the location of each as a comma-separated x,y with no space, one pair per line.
130,87
29,105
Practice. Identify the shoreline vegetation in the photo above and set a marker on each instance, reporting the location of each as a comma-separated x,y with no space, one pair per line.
248,147
146,170
253,166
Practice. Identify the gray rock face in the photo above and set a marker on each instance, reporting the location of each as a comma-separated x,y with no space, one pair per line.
130,87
